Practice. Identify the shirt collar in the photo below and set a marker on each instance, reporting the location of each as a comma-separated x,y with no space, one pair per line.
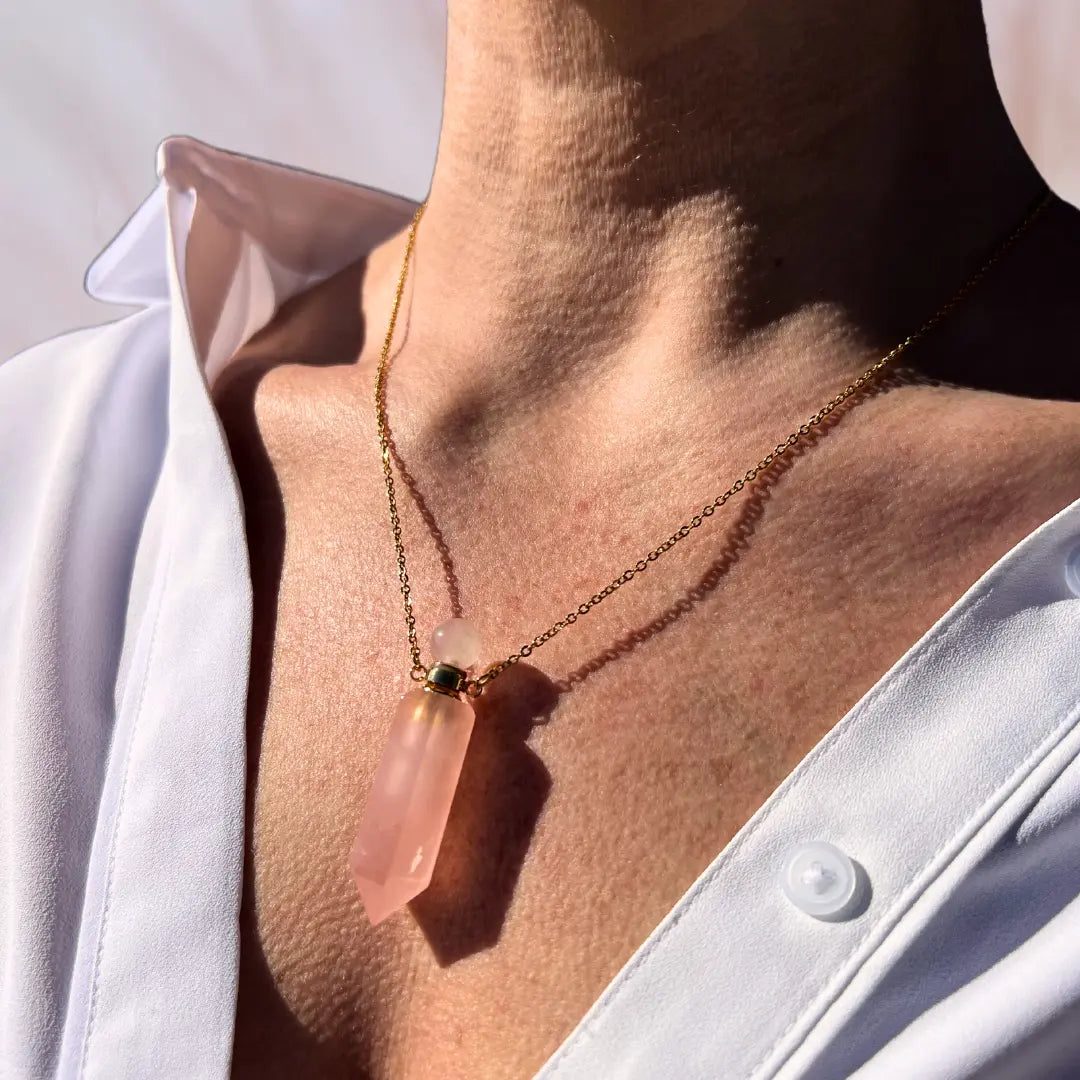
246,235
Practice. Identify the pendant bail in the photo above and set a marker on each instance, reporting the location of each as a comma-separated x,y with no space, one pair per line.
445,679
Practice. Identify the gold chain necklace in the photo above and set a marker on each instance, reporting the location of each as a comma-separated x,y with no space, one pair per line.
394,853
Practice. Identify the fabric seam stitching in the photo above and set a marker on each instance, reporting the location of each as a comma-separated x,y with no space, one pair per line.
742,838
92,1011
834,737
893,915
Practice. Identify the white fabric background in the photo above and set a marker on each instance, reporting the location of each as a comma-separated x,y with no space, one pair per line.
88,90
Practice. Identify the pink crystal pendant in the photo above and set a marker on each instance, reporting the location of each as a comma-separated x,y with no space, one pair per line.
402,826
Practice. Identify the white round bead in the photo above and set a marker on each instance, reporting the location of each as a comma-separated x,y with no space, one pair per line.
456,642
820,879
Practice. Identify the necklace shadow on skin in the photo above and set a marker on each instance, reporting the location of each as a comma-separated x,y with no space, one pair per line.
504,784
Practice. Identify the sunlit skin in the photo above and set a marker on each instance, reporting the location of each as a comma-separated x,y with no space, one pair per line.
659,237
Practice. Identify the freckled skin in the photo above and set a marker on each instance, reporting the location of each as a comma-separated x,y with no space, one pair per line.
653,761
608,323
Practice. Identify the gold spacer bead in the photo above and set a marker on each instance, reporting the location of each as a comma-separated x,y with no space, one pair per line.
445,679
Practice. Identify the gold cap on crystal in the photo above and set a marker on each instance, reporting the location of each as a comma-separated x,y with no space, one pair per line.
445,679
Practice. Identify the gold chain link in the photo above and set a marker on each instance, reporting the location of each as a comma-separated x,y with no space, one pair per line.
474,687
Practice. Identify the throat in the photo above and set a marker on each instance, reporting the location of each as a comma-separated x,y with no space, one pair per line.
606,170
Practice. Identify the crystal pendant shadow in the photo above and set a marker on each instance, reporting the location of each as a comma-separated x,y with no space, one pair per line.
501,794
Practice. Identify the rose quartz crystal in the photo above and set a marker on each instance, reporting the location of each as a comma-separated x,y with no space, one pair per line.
403,822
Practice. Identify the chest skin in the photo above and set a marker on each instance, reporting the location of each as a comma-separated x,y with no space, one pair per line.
608,770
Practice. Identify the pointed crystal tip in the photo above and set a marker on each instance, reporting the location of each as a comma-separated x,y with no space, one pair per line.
383,898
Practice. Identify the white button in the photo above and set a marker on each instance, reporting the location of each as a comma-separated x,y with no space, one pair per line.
1072,570
820,879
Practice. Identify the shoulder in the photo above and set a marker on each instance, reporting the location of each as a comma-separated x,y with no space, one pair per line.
72,398
68,360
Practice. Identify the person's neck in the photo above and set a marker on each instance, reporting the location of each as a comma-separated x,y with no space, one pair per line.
677,189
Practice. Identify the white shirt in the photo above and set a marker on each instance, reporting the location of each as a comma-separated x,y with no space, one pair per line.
952,786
